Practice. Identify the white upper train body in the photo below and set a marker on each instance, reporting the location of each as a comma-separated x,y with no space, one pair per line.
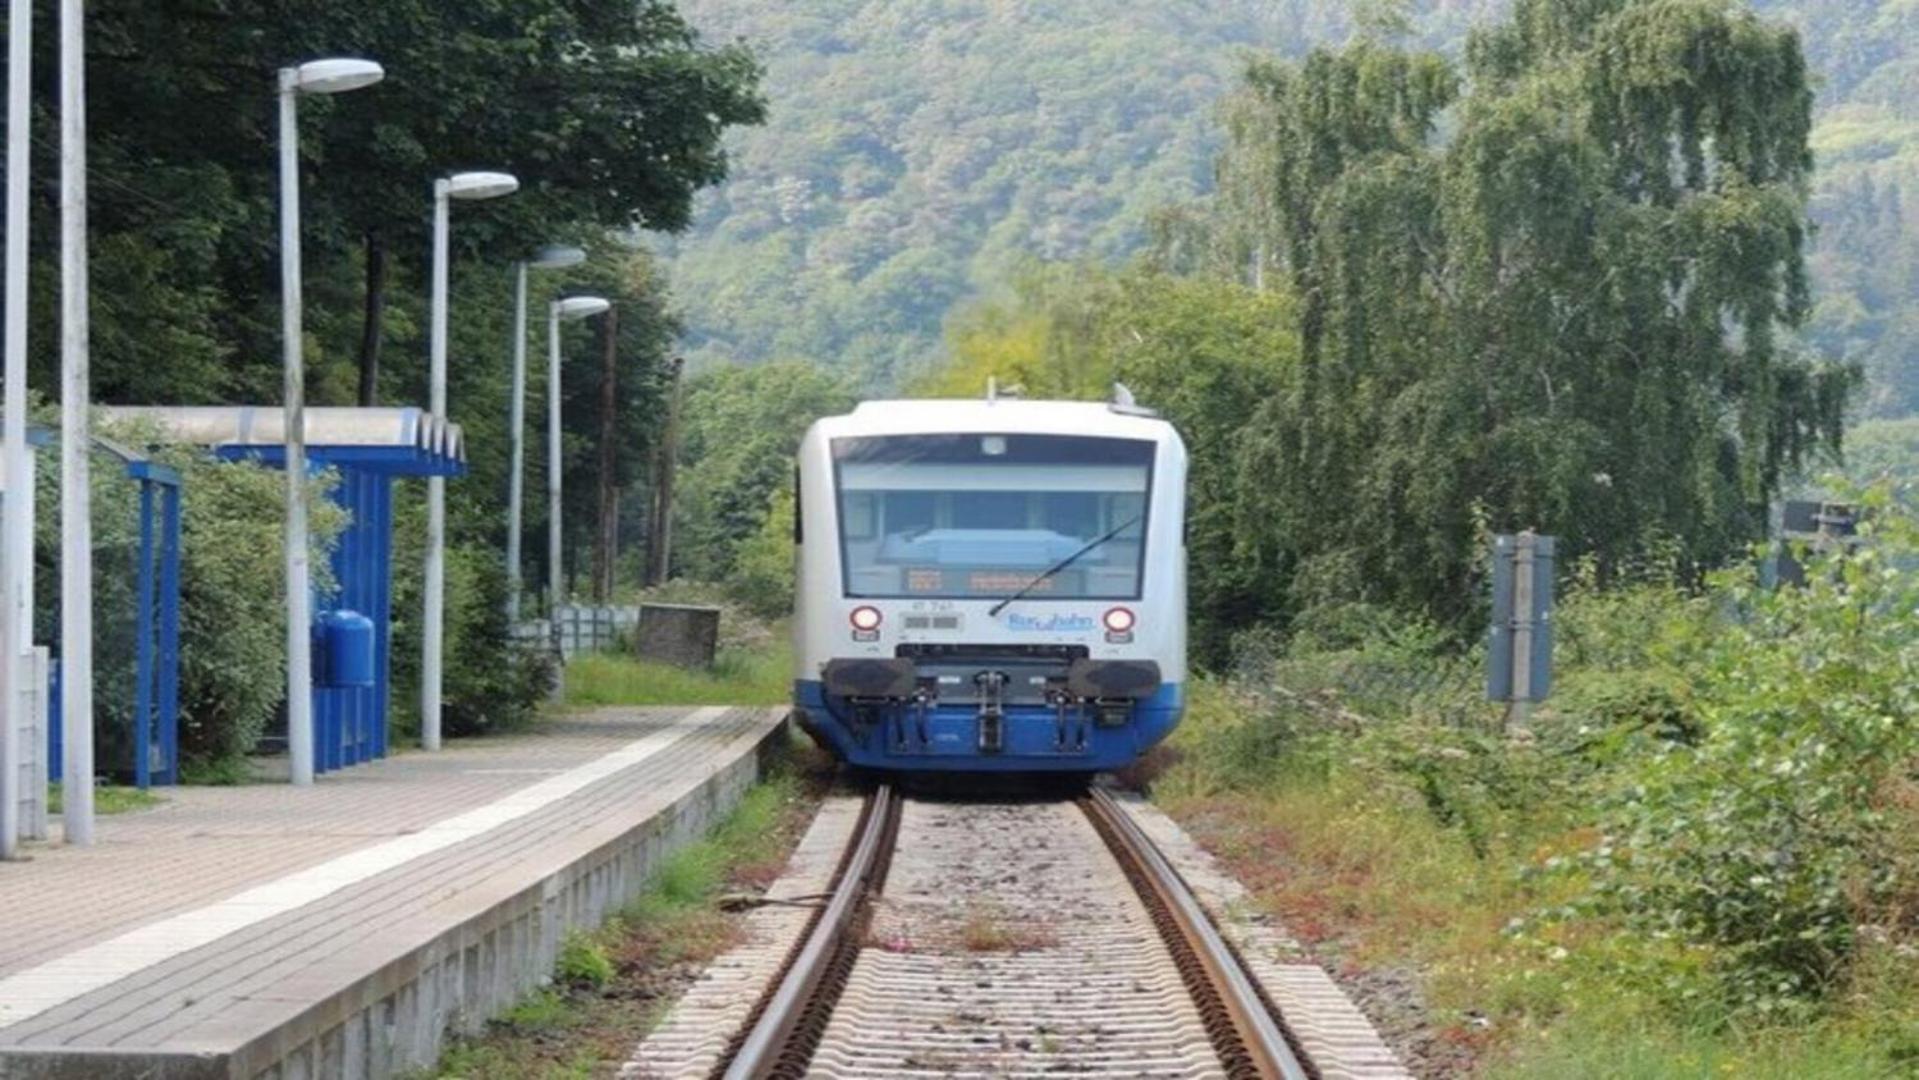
991,584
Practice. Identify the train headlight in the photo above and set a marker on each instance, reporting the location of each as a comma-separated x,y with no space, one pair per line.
1119,625
865,619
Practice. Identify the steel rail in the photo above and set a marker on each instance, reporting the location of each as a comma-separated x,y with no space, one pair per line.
1264,1046
768,1042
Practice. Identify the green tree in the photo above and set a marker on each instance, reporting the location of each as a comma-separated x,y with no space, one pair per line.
1204,353
741,428
762,577
611,113
1574,314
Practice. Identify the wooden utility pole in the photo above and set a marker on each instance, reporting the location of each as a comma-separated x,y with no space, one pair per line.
604,551
373,320
659,532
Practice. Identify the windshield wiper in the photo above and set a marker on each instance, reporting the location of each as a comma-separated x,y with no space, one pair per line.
1064,563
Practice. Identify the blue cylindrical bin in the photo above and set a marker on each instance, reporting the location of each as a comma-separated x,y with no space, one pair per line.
345,653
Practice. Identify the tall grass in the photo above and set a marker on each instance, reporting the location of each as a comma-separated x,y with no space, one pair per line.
736,678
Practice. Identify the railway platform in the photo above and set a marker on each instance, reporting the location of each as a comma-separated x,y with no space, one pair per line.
347,929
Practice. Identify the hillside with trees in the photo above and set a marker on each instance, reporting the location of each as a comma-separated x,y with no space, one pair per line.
917,154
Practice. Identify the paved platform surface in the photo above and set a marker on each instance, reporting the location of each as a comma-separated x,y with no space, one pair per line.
268,930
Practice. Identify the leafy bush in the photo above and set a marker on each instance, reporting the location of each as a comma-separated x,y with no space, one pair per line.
1774,835
232,597
762,578
489,683
1723,790
741,426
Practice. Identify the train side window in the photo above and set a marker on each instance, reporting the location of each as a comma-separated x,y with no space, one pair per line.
799,510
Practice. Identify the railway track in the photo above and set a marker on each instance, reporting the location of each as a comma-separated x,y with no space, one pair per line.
1004,939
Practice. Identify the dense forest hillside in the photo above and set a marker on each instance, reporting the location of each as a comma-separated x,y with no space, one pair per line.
918,151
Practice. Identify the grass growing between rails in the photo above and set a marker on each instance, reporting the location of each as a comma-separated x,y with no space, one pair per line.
1702,860
613,985
736,678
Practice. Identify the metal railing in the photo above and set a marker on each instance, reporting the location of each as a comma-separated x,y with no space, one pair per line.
575,629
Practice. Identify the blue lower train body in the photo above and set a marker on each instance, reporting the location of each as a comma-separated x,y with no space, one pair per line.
904,737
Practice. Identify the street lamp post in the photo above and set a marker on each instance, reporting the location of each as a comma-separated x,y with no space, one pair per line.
16,545
314,77
547,258
577,307
467,186
76,438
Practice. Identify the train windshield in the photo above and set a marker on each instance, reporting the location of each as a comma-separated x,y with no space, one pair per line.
981,516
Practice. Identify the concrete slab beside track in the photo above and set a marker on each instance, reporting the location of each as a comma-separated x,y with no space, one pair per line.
347,929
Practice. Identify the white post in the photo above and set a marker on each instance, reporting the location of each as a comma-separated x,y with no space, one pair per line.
517,425
16,544
76,499
554,578
1518,714
299,617
431,633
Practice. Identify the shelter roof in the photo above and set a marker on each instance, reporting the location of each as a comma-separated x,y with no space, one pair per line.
399,440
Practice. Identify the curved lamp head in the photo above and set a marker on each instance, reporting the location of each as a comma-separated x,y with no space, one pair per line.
557,256
579,307
333,76
479,185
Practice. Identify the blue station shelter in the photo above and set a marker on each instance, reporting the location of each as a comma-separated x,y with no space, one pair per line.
156,690
370,448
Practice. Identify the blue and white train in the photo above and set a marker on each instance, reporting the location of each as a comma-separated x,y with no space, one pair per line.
991,586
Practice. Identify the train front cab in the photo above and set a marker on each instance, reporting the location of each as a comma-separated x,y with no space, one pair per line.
913,658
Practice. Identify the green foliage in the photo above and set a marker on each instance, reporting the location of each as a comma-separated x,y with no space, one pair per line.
489,683
762,578
108,799
1774,837
610,112
232,604
583,963
1057,132
921,151
1572,314
1701,856
741,428
763,677
1884,452
1865,261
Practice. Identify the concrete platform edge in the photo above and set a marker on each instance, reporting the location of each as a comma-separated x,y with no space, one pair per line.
396,1018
